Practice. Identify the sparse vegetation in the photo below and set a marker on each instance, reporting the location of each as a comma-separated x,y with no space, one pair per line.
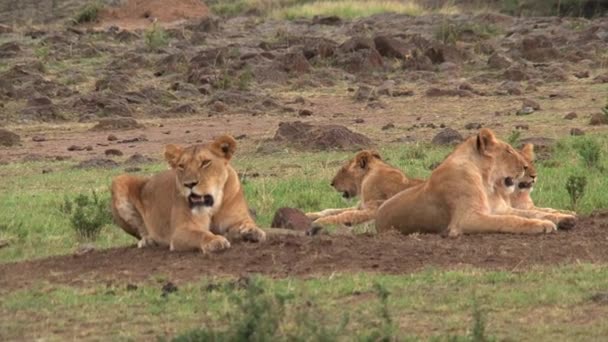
87,214
590,151
348,9
156,37
576,189
89,13
451,32
514,137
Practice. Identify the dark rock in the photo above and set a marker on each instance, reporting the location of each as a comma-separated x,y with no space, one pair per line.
133,169
38,138
473,125
576,131
582,74
331,20
499,61
447,136
530,103
388,126
571,116
138,158
116,124
168,288
112,137
219,106
305,112
291,218
538,49
113,152
357,43
598,119
360,61
601,78
325,137
359,121
523,127
391,47
140,138
97,163
525,111
8,138
80,148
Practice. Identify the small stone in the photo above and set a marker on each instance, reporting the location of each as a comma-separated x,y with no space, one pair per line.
571,116
388,126
131,287
45,171
447,136
359,121
530,103
112,137
168,288
473,125
582,74
219,106
113,152
38,138
598,119
525,111
522,127
305,112
577,132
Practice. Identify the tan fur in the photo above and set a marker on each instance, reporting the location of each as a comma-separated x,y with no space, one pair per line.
463,194
189,206
367,176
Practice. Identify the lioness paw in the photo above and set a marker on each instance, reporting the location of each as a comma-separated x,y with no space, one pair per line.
548,227
314,216
567,222
144,242
253,234
216,244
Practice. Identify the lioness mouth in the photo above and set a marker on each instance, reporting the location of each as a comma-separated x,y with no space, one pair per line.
345,194
525,185
509,181
198,200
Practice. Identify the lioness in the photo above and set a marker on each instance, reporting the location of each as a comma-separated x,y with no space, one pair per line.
368,176
458,197
187,206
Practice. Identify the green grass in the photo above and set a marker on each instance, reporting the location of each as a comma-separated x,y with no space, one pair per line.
349,9
537,305
31,219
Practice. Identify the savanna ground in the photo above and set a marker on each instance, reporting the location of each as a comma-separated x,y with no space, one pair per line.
398,78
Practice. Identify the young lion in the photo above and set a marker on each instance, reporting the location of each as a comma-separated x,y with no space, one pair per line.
459,196
185,207
370,177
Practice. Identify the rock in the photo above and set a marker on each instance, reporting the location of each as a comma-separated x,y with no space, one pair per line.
132,169
84,249
516,73
360,61
38,138
357,43
305,112
582,74
538,48
447,136
116,124
140,138
576,131
601,78
46,170
571,116
511,88
112,137
138,158
525,111
5,29
499,61
391,47
8,138
598,119
386,88
359,121
364,93
97,163
402,92
168,288
436,92
219,106
388,126
523,127
530,103
473,125
331,20
324,137
113,152
291,218
295,62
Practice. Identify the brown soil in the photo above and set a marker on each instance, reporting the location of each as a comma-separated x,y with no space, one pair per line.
140,13
287,255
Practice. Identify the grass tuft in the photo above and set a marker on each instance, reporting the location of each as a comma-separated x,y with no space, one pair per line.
348,9
89,13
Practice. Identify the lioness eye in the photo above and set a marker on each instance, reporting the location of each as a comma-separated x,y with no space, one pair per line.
205,163
180,166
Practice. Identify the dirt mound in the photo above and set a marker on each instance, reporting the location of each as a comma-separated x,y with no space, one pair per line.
289,255
8,138
326,137
140,13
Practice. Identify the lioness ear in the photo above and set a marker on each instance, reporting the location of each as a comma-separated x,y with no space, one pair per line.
485,139
376,154
362,158
172,154
224,146
527,151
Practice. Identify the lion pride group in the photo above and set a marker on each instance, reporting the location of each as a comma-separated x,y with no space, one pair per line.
483,186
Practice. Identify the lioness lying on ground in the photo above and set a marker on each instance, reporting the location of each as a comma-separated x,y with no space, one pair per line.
185,207
462,193
368,176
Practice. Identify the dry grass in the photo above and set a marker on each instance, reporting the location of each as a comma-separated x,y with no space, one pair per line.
348,9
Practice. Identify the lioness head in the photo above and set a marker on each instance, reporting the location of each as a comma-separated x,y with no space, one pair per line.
527,181
506,164
201,170
350,176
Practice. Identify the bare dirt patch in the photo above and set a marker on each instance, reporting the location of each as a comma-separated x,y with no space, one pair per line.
140,13
288,255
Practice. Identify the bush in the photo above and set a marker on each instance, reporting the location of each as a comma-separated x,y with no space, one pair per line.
590,151
576,189
87,215
88,13
156,37
514,137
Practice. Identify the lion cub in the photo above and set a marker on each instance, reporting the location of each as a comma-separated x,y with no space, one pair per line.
188,206
368,176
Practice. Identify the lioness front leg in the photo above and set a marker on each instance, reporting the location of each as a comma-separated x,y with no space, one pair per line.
193,238
563,221
248,231
488,223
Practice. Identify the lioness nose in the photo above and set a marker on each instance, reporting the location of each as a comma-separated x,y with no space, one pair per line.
190,184
525,167
333,183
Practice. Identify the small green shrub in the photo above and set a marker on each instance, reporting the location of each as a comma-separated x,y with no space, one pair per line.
576,189
156,37
89,13
590,151
514,137
87,214
42,52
